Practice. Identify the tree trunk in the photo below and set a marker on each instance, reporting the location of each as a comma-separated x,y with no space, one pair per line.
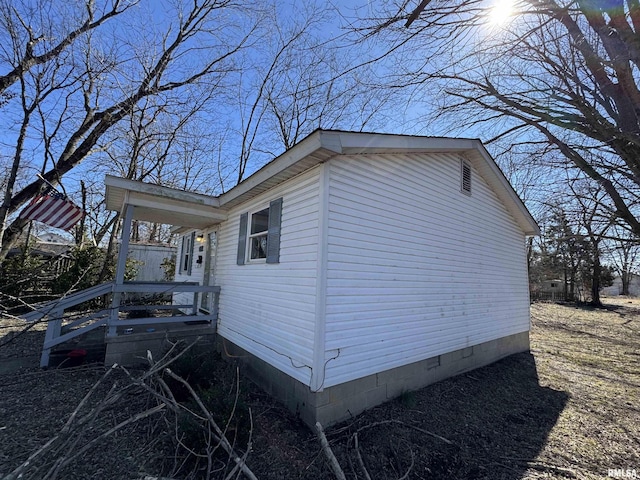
104,273
595,281
80,228
529,253
11,235
625,277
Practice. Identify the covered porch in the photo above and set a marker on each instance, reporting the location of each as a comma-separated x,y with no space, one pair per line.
134,316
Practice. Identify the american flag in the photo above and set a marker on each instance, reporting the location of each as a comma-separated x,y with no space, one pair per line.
54,209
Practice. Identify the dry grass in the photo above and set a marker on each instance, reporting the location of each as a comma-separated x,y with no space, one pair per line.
569,410
594,356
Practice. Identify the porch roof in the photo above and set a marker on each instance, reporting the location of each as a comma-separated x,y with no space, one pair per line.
155,203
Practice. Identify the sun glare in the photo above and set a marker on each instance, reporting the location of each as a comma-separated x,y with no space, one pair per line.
500,12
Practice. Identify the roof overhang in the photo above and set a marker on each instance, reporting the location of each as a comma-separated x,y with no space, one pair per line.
322,145
185,209
158,204
317,148
482,161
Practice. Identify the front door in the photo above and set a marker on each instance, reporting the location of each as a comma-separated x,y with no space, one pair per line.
206,304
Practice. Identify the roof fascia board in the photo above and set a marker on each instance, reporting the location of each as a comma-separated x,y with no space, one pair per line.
316,141
161,191
139,199
355,143
530,226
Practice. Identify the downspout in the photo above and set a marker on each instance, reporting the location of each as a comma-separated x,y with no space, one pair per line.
319,338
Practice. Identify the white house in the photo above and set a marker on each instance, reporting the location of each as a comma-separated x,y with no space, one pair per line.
356,266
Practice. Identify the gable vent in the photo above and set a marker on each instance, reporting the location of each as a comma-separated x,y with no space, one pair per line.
465,177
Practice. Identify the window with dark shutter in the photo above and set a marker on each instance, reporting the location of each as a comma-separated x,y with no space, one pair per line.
258,234
465,177
259,237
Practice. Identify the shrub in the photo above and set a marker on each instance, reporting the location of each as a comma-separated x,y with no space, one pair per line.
21,274
87,264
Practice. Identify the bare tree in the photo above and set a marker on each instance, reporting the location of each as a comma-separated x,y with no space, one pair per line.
196,100
624,254
596,217
156,144
86,79
310,92
559,75
291,42
301,81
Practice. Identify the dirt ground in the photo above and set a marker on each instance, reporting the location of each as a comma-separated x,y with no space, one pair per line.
569,409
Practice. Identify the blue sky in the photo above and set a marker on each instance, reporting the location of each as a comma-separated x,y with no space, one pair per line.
218,127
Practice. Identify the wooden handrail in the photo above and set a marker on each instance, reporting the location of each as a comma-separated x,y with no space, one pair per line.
55,310
82,296
164,287
68,301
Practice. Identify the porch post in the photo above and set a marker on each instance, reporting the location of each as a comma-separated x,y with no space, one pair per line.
54,327
120,268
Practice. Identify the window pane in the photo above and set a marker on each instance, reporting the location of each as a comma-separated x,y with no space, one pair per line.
260,221
186,253
259,247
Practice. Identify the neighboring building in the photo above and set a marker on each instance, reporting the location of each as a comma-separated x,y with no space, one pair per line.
151,260
356,266
47,245
551,290
553,286
616,288
54,238
53,248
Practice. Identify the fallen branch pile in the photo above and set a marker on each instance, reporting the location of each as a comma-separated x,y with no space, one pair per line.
86,425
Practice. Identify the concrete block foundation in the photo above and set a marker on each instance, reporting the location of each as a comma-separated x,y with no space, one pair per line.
341,402
131,350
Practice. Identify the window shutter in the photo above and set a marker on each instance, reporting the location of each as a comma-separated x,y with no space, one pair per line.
273,237
242,238
193,241
181,256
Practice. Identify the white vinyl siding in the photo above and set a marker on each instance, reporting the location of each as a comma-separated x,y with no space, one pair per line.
269,309
415,268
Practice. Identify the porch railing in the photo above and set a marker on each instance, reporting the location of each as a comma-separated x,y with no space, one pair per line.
53,312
